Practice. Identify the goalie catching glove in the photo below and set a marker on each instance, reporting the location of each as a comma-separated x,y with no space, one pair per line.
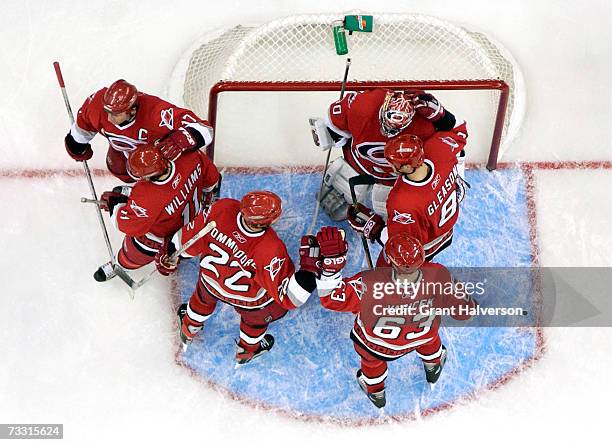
364,220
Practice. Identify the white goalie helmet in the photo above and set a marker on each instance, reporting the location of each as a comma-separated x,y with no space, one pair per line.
396,112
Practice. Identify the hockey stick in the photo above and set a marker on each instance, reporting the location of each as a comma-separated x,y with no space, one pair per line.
174,257
318,203
353,182
121,273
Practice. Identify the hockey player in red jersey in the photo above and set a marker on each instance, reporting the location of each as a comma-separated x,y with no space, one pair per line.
129,118
424,200
245,264
167,196
362,123
397,308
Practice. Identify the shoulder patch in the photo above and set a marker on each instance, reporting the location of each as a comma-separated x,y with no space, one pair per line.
167,118
274,267
402,218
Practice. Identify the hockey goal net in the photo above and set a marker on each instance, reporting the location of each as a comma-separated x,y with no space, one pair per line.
294,61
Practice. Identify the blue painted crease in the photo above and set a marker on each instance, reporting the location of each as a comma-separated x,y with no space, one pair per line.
311,368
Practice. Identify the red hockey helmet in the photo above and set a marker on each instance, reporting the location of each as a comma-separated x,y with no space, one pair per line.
406,149
260,208
146,161
405,252
120,97
396,112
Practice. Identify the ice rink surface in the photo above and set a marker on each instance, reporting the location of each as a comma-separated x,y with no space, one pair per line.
82,354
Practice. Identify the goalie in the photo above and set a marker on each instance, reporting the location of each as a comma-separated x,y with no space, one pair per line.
361,123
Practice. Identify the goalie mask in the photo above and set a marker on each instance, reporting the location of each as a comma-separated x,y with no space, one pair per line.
146,162
405,253
396,112
260,208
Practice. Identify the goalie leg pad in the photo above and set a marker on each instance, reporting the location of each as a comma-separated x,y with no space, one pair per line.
380,193
336,194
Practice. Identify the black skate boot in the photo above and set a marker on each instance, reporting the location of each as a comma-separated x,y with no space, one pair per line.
433,370
105,272
379,399
185,334
243,356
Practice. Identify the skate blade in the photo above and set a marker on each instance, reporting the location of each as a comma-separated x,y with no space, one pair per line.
240,365
381,412
432,386
184,347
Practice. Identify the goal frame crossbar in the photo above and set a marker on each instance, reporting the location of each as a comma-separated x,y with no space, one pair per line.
433,85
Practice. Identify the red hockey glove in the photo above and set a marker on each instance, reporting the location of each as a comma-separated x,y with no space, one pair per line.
428,107
366,221
309,254
76,150
109,200
333,248
177,142
162,260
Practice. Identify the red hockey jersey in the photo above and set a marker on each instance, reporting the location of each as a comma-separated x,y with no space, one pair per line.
238,266
392,321
155,118
159,209
428,209
356,116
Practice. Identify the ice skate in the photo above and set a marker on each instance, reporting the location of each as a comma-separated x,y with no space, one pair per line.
243,356
105,272
379,399
433,370
180,313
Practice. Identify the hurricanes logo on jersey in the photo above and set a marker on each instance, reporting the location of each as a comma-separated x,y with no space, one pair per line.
167,118
120,142
274,267
402,218
140,212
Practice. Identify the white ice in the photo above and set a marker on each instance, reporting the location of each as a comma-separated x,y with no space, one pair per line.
80,353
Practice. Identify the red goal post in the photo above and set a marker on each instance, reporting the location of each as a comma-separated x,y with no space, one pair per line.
433,85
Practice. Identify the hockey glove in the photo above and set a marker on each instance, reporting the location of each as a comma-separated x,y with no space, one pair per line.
109,200
333,249
163,263
309,254
364,220
76,150
177,142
